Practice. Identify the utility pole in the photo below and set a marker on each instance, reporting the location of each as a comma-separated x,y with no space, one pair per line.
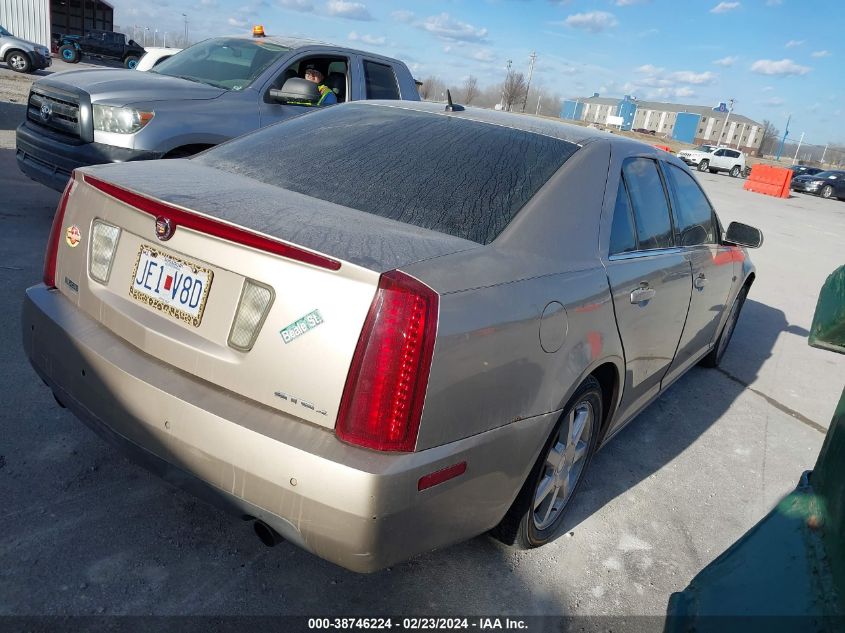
164,41
504,85
533,57
783,140
146,28
824,153
537,111
155,35
185,15
725,126
801,140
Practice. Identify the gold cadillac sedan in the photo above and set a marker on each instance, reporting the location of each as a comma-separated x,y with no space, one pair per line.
384,327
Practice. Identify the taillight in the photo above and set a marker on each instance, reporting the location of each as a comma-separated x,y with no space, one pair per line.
383,398
51,253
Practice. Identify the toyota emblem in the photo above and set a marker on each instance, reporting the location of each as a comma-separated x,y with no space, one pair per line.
164,228
46,111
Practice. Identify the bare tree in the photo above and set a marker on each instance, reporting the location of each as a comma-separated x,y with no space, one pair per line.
513,90
470,89
431,88
768,135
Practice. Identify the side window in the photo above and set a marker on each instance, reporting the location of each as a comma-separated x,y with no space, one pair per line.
622,238
719,152
733,154
693,214
380,81
648,198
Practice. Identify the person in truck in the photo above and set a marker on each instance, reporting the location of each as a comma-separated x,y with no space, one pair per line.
327,95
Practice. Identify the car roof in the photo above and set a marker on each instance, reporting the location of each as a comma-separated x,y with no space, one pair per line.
294,43
554,128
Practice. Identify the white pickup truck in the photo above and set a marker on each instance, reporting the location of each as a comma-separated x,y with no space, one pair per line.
714,159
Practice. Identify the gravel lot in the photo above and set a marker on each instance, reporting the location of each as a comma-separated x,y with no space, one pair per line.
85,532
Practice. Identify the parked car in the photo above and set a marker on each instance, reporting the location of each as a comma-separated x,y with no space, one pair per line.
101,45
715,159
372,329
643,130
21,55
209,93
827,184
154,56
803,170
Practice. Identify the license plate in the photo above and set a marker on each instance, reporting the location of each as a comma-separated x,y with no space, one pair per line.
170,284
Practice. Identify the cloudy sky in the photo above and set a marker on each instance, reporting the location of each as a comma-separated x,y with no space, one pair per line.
775,57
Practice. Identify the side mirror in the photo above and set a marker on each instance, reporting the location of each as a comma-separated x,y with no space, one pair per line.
743,235
296,90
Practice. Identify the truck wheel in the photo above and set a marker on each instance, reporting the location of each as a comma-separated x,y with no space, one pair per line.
69,54
735,171
704,165
19,61
130,62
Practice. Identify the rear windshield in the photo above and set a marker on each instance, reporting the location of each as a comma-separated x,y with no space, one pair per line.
444,173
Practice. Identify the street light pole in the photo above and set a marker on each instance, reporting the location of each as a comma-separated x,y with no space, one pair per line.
727,118
783,140
824,153
185,15
801,140
530,74
504,85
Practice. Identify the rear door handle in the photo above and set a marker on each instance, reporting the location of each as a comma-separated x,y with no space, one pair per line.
642,294
700,281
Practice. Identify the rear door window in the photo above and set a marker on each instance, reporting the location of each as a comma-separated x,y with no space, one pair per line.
650,206
380,81
622,236
693,213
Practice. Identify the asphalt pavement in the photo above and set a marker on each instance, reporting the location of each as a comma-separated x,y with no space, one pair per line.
85,532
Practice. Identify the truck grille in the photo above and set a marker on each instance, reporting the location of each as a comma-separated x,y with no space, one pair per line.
57,112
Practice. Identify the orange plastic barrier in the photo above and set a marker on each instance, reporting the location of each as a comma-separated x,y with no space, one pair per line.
772,181
665,148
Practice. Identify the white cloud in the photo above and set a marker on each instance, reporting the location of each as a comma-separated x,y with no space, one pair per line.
305,6
403,16
349,10
724,7
238,23
773,102
444,27
367,39
766,89
690,77
483,55
208,4
784,67
821,54
648,32
594,21
794,43
727,62
648,68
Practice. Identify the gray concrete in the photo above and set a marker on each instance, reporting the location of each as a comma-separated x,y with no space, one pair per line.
86,532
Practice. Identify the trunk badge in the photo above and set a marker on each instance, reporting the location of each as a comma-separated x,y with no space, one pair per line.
164,228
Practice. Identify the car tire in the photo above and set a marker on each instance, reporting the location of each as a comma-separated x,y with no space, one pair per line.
826,192
130,62
714,357
704,165
69,54
538,512
19,61
735,171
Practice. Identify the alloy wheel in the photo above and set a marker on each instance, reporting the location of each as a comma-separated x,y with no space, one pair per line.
17,62
563,465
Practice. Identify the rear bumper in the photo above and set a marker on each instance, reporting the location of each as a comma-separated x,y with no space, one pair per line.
49,159
354,507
